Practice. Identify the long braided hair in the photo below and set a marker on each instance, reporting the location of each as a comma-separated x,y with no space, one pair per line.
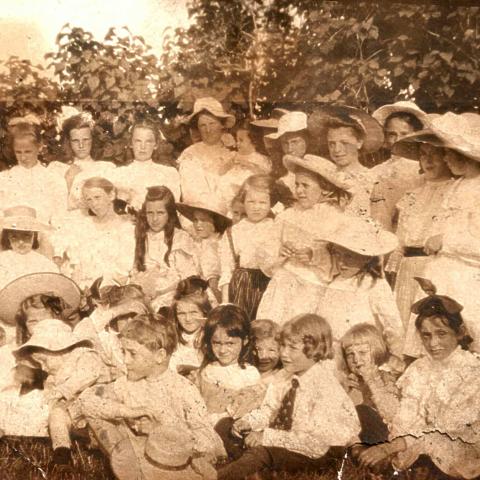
154,194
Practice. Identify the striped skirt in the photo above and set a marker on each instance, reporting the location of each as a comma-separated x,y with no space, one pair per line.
246,289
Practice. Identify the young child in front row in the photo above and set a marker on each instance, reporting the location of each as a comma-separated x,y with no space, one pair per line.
372,389
303,416
137,417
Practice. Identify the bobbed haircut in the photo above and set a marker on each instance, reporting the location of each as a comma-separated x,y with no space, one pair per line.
263,329
315,333
369,334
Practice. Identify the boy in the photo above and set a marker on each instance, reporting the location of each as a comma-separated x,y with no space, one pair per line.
302,416
135,417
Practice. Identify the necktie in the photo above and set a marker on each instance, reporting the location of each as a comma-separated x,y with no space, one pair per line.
284,418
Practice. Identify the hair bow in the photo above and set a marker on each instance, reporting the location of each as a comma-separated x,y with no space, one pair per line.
433,303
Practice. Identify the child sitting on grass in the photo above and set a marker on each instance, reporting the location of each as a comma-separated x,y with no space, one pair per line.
302,417
72,366
152,423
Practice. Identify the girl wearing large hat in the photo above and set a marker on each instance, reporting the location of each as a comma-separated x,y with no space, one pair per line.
202,164
20,241
396,175
299,265
455,266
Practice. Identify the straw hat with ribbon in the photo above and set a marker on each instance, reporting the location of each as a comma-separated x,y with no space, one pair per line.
22,218
382,113
320,121
458,132
213,106
55,284
212,206
362,236
288,123
52,335
320,166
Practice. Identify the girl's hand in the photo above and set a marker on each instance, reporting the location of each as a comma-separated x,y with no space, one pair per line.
304,255
287,250
369,373
254,439
353,382
433,245
240,427
374,455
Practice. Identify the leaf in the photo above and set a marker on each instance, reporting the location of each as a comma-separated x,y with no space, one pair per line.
110,82
59,67
398,71
447,56
93,82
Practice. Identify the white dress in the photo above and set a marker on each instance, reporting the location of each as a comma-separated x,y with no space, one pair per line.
439,415
136,177
36,187
186,354
296,288
95,249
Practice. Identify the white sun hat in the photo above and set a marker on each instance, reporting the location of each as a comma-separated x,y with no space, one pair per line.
382,113
289,122
213,106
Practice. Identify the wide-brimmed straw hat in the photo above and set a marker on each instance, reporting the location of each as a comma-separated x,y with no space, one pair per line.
22,218
56,284
458,132
288,123
320,121
211,206
213,106
272,122
382,113
52,335
362,236
318,165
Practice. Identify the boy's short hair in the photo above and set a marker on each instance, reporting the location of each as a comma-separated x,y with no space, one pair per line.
315,333
263,329
366,333
154,334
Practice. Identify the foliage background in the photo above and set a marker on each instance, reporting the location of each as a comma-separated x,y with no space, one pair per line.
252,55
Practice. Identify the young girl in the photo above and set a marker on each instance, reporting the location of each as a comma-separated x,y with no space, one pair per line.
371,388
20,235
300,265
244,247
164,254
358,292
437,414
266,348
209,222
135,178
190,309
227,349
29,182
97,244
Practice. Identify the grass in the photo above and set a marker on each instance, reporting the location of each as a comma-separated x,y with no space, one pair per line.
25,458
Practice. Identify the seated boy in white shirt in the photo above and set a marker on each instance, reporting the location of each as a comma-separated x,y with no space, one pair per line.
302,417
133,417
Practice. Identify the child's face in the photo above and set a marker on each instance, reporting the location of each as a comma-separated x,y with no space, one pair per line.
26,151
139,360
343,146
438,339
257,205
293,357
210,128
203,224
81,142
51,362
294,143
268,354
345,263
189,316
307,191
359,357
34,316
432,162
98,201
157,215
238,211
20,241
244,144
143,144
226,348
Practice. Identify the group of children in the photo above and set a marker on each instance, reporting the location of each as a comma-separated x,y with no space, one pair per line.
219,321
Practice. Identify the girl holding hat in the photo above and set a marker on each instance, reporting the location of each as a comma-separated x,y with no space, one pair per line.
99,243
209,223
29,182
135,178
202,164
357,292
396,175
20,241
299,266
164,253
437,415
419,218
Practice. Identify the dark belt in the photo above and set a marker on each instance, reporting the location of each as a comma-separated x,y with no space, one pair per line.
414,252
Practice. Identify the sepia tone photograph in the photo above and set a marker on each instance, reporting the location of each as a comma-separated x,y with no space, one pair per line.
240,239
